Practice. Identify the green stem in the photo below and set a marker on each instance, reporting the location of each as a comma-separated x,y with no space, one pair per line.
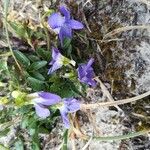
5,55
7,34
121,137
65,140
46,32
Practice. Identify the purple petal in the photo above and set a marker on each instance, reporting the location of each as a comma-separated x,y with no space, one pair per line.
47,99
65,31
57,30
71,104
64,115
92,83
90,62
86,73
90,73
75,24
55,20
89,81
55,52
41,111
55,67
65,12
81,72
57,60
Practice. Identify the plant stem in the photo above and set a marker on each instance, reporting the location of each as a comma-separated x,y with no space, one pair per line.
7,34
118,102
5,55
65,140
46,32
121,137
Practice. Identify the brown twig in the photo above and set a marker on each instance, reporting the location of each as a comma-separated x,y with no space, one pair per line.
106,92
118,102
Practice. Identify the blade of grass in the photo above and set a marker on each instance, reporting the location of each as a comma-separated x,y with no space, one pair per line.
121,137
45,28
6,5
2,147
5,54
107,93
118,102
123,29
65,140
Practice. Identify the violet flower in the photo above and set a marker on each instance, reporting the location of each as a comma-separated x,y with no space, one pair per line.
58,60
86,73
70,105
63,25
42,100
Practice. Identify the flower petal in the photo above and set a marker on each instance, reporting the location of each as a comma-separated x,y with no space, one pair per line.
90,62
57,30
53,98
64,115
65,31
57,60
47,99
81,71
71,104
88,81
65,12
55,67
86,73
55,20
55,53
41,111
75,24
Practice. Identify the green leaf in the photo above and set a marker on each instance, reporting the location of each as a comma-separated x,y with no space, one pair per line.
35,146
37,75
37,65
43,130
35,83
22,58
65,140
32,131
19,29
19,145
6,5
69,50
33,58
4,132
66,43
24,110
35,139
2,147
25,122
3,64
45,54
63,88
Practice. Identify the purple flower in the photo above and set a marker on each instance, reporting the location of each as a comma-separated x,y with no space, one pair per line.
70,105
63,25
86,73
42,100
58,60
